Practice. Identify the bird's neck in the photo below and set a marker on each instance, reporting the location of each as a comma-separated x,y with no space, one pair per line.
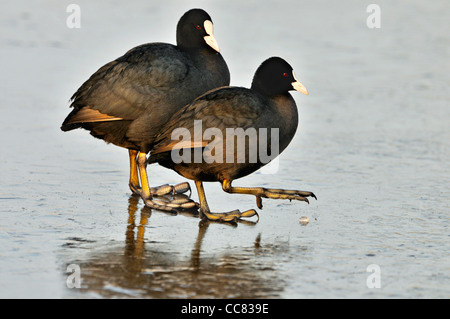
286,109
213,62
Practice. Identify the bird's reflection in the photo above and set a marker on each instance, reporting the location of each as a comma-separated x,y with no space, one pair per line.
158,269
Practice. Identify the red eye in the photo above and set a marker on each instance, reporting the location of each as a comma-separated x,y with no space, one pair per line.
198,27
285,75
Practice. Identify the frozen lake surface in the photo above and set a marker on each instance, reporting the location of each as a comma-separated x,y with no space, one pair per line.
373,145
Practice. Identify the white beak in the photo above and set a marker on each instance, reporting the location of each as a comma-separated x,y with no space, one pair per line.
298,86
210,39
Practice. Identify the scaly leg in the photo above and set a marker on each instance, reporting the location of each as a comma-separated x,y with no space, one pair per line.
147,195
221,217
260,192
156,191
134,177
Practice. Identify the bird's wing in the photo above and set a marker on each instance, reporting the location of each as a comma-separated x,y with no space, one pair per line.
228,107
126,87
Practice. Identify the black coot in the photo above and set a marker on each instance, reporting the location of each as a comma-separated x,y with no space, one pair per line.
229,132
127,101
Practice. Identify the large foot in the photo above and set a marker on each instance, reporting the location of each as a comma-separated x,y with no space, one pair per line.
232,216
162,190
173,204
169,189
261,192
150,195
206,213
282,194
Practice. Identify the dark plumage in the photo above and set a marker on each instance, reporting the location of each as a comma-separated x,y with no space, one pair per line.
127,101
267,106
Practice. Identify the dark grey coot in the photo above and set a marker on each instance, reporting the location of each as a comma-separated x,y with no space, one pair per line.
267,110
127,101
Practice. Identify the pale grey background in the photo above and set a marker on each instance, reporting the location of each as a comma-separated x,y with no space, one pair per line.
373,145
